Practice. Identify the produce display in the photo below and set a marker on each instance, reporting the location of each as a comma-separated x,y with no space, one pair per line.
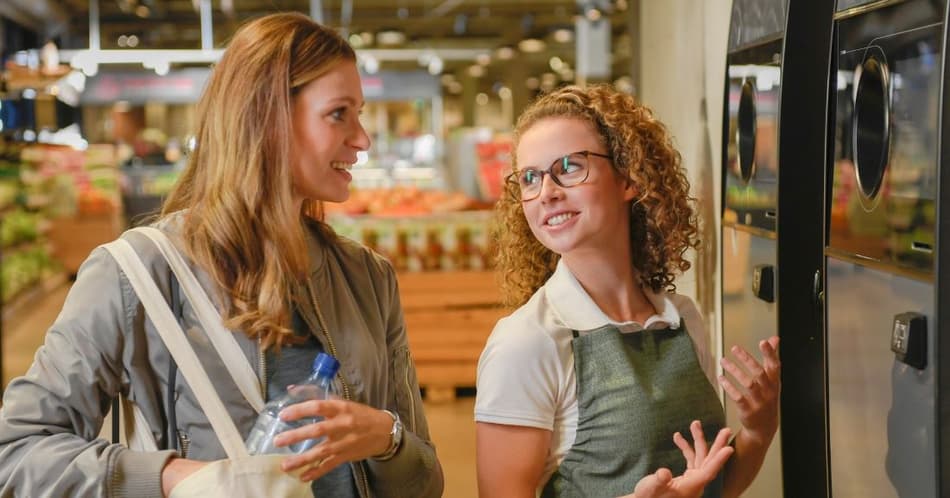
24,195
417,230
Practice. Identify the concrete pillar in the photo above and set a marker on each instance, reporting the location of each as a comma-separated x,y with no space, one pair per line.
592,42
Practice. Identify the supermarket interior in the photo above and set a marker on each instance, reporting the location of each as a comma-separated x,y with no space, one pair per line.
98,116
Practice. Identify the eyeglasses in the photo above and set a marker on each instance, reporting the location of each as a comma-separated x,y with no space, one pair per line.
566,171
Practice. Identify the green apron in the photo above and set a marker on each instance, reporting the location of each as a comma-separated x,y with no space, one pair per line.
634,391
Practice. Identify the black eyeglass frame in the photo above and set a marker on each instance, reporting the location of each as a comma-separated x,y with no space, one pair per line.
513,176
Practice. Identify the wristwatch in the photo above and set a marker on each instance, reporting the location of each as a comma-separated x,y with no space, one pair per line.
396,438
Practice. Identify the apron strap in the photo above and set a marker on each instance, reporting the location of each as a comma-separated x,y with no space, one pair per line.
174,338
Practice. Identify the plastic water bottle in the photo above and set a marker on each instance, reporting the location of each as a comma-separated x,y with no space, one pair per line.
268,425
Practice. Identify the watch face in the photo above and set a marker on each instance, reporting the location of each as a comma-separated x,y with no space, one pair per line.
397,432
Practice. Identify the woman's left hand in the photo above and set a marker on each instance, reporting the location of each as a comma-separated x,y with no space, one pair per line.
353,431
755,388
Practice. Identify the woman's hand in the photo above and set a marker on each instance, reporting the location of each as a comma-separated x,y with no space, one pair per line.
176,470
702,466
353,431
755,387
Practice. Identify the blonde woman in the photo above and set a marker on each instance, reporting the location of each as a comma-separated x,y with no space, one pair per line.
278,129
601,382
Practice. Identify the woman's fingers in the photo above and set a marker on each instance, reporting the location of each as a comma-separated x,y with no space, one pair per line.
685,447
770,360
699,442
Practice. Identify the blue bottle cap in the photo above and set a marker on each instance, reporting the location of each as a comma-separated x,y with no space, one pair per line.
325,365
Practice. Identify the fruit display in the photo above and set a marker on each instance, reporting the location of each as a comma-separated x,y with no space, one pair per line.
401,201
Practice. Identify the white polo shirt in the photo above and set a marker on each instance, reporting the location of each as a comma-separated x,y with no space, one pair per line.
526,372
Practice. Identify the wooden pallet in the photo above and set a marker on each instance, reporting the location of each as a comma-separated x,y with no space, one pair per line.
449,316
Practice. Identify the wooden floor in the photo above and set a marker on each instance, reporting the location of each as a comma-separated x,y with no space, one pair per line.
450,421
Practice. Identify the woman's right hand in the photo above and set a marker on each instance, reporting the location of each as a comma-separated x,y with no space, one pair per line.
702,466
176,470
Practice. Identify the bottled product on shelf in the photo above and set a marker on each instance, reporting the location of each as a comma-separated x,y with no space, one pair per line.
268,425
417,230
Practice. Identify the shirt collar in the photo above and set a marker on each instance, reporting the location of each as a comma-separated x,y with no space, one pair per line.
577,310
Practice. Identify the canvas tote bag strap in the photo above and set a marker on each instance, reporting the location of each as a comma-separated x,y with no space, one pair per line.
221,338
174,337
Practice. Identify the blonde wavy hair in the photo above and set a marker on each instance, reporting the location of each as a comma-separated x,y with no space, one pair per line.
241,224
663,221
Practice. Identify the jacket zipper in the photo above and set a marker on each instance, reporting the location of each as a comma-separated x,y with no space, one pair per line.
346,388
261,369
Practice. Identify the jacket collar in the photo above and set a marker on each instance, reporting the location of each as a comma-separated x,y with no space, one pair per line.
317,245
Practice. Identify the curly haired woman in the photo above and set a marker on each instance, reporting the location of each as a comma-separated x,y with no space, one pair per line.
588,388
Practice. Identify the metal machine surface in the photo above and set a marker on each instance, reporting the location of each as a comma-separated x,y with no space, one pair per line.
880,254
750,194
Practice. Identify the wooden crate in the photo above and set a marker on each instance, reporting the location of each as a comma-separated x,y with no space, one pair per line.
74,238
449,316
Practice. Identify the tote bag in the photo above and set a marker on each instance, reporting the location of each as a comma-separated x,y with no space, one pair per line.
240,475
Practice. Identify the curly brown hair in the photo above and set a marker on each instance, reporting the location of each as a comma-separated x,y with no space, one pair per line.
663,221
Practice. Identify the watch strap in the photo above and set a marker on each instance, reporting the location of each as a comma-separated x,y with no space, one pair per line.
395,436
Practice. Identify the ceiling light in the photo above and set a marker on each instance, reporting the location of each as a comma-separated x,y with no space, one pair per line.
370,64
391,37
593,14
563,35
505,53
556,63
531,45
162,68
624,84
356,40
447,78
476,71
435,65
504,92
481,98
483,59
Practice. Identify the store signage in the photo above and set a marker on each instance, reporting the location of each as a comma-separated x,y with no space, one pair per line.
138,87
400,85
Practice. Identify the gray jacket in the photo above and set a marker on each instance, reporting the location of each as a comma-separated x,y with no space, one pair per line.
102,344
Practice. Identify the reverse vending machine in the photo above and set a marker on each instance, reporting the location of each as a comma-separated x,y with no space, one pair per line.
750,193
884,286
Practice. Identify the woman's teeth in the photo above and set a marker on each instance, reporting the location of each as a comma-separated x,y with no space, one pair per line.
340,165
559,219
